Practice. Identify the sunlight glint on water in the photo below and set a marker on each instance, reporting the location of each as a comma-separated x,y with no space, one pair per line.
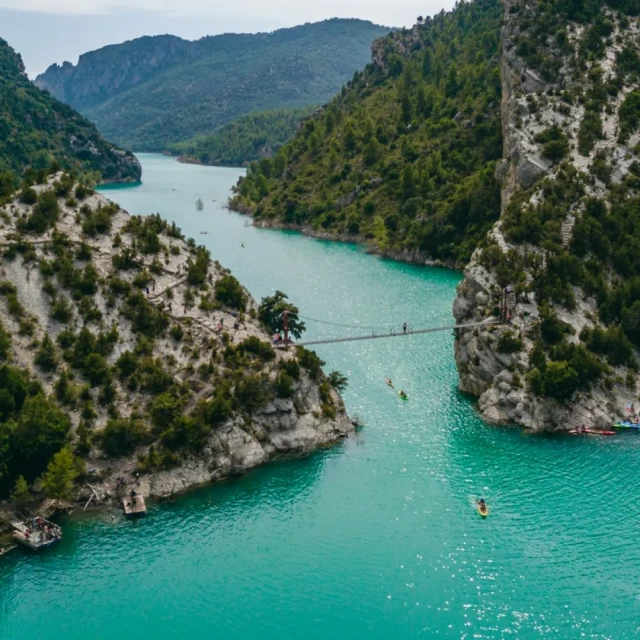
378,538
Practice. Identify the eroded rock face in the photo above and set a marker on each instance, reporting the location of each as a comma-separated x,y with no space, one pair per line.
529,107
277,432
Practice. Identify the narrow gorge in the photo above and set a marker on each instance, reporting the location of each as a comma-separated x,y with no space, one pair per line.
502,139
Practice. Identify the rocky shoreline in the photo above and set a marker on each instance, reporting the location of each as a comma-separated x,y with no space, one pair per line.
410,256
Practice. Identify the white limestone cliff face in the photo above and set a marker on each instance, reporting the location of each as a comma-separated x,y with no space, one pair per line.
283,427
531,105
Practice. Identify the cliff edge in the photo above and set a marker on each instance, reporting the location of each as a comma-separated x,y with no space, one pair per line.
557,265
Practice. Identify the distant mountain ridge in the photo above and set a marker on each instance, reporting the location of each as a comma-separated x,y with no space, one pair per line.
37,130
149,93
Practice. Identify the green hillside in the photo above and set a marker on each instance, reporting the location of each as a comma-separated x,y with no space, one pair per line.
36,130
405,156
149,93
249,138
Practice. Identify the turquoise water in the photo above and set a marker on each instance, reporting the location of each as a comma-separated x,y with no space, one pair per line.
377,538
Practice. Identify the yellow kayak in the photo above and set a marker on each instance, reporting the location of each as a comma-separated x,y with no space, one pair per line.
483,511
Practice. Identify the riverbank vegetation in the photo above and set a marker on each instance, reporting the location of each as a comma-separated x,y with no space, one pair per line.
404,157
245,140
572,236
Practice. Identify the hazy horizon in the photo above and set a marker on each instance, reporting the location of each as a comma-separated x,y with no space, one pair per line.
46,32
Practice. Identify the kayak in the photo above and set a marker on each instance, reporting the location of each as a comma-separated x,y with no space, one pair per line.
389,383
591,432
626,425
403,397
483,512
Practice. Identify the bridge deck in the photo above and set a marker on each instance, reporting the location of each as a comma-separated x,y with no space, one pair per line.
377,336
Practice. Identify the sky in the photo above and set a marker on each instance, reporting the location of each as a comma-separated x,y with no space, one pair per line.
48,31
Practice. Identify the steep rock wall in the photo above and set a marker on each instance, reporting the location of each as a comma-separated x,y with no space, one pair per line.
531,105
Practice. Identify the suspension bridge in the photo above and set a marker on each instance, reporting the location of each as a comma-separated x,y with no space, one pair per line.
399,334
507,308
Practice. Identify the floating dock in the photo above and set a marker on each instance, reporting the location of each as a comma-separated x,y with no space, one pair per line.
36,533
134,506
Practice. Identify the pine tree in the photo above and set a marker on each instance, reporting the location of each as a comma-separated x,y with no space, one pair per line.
61,473
46,356
20,493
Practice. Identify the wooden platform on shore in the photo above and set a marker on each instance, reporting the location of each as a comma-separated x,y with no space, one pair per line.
134,506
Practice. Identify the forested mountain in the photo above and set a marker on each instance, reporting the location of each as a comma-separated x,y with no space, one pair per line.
37,130
155,91
249,138
404,157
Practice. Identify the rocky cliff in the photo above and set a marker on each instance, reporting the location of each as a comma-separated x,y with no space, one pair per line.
102,73
569,181
140,354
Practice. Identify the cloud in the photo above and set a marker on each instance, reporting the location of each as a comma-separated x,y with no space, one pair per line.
73,7
397,13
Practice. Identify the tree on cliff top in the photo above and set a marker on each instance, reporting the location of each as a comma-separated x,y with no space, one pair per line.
271,314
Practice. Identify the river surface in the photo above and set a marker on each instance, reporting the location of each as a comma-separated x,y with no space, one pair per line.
377,538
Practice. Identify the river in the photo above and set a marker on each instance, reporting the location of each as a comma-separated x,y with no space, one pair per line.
376,539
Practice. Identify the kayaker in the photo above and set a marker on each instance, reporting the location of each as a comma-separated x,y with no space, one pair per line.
402,394
482,504
388,381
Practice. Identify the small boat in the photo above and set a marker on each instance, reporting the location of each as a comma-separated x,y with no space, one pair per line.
627,425
483,510
36,533
591,432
